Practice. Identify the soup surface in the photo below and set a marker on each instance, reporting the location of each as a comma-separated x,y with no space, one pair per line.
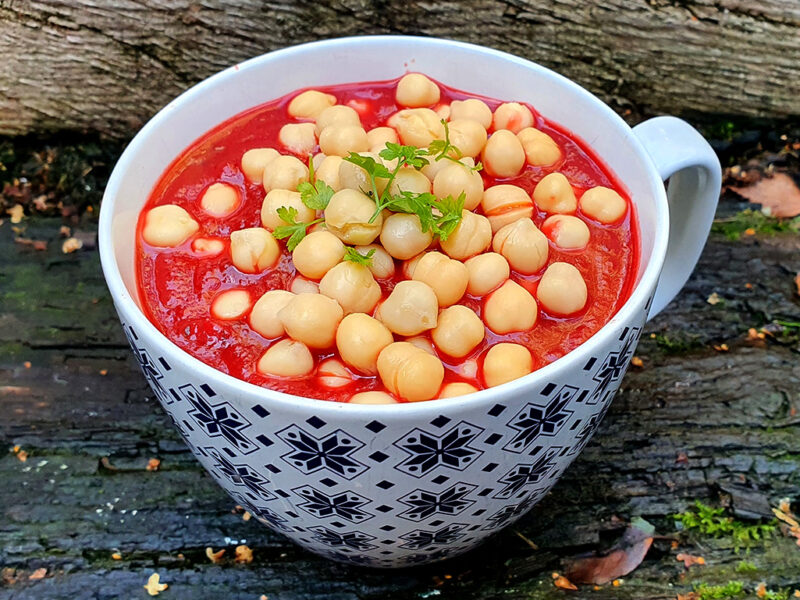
503,243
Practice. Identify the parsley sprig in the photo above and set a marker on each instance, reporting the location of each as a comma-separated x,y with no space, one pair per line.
440,149
293,230
314,193
354,256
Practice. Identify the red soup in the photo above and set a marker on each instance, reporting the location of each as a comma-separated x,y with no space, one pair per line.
385,242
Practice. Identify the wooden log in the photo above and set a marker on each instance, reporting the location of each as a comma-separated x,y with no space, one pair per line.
109,66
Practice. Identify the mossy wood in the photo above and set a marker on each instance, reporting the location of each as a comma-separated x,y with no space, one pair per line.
109,66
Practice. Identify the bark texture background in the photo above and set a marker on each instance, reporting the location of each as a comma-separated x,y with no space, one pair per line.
108,66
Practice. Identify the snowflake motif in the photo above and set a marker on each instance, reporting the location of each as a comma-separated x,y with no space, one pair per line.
353,540
241,475
345,504
535,420
415,559
152,373
589,429
353,559
421,539
614,367
332,452
428,451
267,517
425,504
524,475
218,419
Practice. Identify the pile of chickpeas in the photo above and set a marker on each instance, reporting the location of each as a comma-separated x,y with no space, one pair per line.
334,303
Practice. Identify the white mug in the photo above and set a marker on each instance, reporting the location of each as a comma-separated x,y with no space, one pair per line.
404,484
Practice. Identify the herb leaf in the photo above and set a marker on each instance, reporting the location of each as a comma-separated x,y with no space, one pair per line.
369,164
354,256
440,149
450,217
314,194
293,230
408,155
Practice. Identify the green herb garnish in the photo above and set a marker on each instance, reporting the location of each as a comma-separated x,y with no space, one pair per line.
314,194
354,256
293,230
440,149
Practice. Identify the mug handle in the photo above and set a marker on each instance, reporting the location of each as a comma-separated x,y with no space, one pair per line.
680,154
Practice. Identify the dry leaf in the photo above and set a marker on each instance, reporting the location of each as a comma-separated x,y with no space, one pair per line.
263,597
563,583
243,554
714,298
689,596
40,245
116,556
214,557
16,213
689,560
38,574
778,195
246,516
106,464
153,587
22,455
626,555
65,231
71,245
637,362
153,464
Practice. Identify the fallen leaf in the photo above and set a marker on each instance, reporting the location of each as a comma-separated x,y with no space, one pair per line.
563,583
22,455
689,596
38,574
153,587
616,582
153,464
246,516
27,364
624,557
116,556
761,590
16,213
796,594
263,597
721,347
778,195
749,231
39,245
637,362
689,560
65,231
214,557
681,459
243,554
71,245
714,298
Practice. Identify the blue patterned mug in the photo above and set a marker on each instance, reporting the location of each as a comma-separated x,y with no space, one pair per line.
396,485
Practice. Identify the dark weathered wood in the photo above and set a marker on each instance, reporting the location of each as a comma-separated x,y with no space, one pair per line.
108,66
733,415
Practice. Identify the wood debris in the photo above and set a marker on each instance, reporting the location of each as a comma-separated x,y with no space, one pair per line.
71,245
690,560
714,299
563,583
40,245
38,574
153,464
16,213
637,362
214,557
243,554
116,556
154,587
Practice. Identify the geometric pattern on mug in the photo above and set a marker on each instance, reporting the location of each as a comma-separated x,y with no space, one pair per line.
426,450
332,452
219,419
421,539
345,505
535,420
424,504
524,475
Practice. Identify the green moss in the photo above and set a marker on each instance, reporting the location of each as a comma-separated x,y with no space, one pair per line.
732,589
713,522
677,343
735,226
746,566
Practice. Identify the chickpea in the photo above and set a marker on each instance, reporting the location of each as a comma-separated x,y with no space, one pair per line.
423,343
505,362
168,225
286,358
207,247
410,309
336,115
352,286
459,331
348,217
455,179
411,264
253,250
458,388
254,162
372,398
431,170
486,272
278,198
309,104
311,319
354,177
554,194
333,374
340,140
468,136
417,126
504,204
566,232
443,110
360,339
264,316
317,253
510,308
446,277
402,236
230,305
409,179
379,137
415,90
603,204
562,290
472,236
540,149
512,116
301,285
472,108
503,155
298,138
328,171
220,200
382,266
409,372
284,173
523,246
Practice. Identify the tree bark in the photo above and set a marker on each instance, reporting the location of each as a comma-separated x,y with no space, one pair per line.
109,66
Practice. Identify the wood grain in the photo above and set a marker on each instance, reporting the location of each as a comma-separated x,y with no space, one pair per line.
107,66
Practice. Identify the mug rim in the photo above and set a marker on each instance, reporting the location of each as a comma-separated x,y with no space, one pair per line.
251,392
